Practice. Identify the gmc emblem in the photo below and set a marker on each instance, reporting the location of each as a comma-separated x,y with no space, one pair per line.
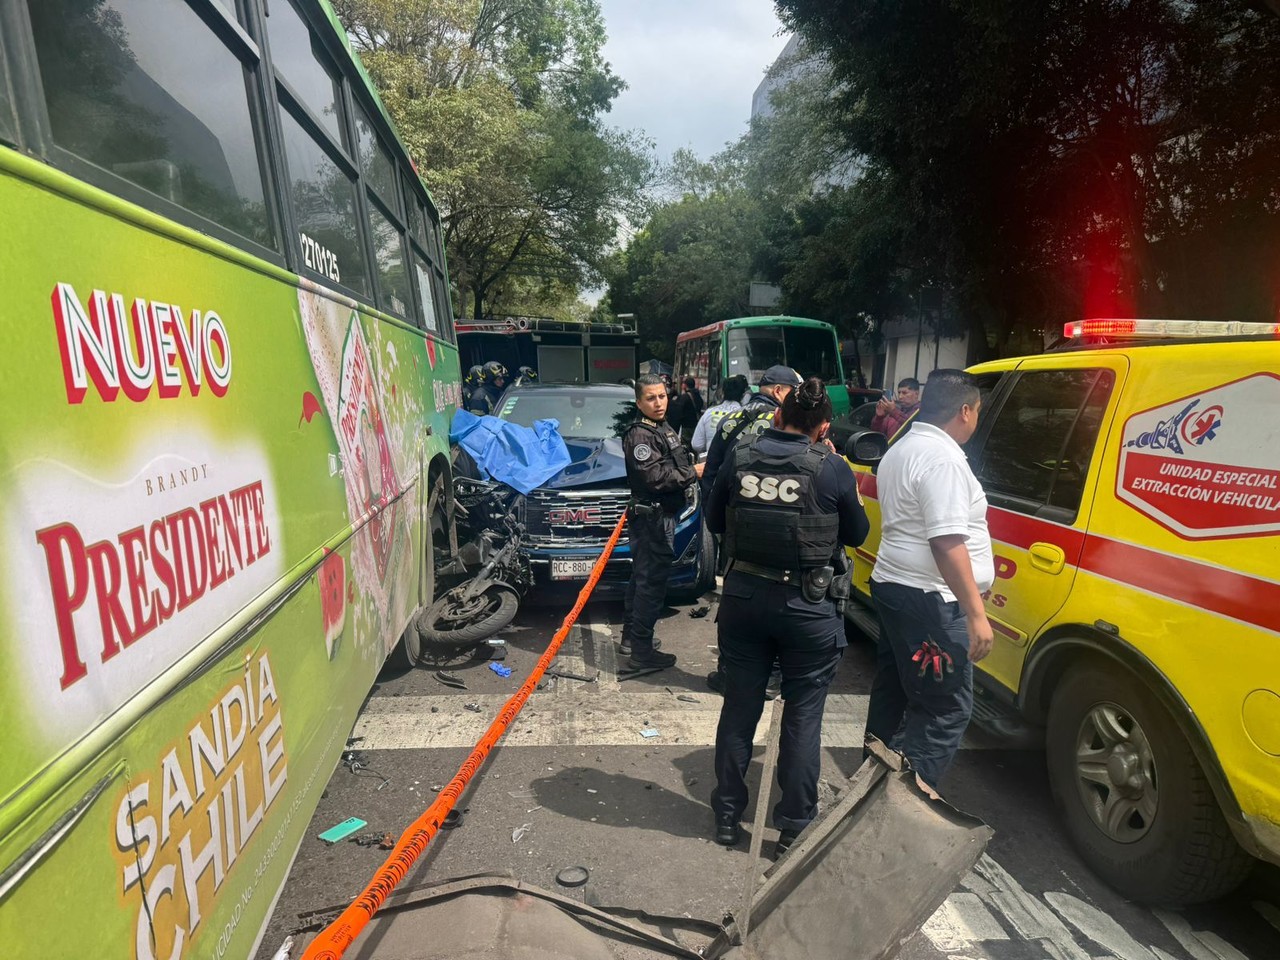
577,515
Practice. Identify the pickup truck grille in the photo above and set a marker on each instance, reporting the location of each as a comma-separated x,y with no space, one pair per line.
566,518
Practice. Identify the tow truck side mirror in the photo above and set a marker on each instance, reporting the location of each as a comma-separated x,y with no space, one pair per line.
866,447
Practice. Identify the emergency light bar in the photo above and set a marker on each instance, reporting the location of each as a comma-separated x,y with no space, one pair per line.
1185,329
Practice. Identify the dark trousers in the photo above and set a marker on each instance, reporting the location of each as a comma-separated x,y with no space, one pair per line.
652,539
760,622
918,715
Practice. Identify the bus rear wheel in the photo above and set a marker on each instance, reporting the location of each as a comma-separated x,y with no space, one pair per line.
409,651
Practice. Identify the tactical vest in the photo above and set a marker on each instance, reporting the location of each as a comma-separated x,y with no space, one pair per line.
773,517
663,442
756,415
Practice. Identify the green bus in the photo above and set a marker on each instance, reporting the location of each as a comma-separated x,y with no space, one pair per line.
748,346
231,373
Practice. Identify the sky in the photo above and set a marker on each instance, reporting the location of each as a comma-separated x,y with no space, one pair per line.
691,67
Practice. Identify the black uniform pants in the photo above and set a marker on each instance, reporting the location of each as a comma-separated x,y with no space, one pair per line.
652,539
761,621
921,714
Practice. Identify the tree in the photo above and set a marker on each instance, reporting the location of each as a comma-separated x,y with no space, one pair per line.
500,102
1065,157
692,263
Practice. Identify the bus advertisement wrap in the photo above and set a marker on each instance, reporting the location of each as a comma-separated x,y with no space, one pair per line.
212,496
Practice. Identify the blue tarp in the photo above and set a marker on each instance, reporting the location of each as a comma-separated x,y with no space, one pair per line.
521,457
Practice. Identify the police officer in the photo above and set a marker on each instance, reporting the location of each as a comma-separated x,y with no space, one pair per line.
756,414
660,471
484,400
787,506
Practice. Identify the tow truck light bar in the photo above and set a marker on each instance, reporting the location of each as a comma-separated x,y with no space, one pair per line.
1184,329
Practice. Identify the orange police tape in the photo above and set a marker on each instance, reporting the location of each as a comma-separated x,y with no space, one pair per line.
332,942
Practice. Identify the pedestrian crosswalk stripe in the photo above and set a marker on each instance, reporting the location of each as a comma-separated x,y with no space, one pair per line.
575,718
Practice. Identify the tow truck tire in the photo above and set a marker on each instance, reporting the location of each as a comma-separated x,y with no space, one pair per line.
1137,806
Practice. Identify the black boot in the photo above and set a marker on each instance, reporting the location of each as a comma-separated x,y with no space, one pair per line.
651,659
727,830
785,839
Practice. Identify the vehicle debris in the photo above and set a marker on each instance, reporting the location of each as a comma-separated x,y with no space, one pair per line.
450,680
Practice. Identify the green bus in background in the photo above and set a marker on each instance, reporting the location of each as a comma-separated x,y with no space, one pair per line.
749,346
231,372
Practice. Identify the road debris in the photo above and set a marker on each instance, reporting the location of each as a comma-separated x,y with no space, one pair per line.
450,680
384,841
500,670
342,830
473,707
555,670
572,876
520,832
649,733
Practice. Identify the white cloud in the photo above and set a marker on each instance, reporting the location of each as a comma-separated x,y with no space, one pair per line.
691,67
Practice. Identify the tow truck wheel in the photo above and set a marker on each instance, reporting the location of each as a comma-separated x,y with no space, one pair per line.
1137,806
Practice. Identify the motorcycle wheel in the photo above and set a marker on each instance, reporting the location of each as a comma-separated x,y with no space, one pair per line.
456,622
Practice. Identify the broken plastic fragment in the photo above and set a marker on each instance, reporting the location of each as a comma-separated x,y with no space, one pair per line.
649,733
520,832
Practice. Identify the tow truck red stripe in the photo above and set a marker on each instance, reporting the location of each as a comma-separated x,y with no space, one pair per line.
1227,593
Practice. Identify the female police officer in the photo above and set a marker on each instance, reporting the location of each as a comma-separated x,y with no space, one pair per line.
659,470
787,506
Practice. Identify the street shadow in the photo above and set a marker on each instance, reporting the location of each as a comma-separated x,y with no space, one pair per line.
628,802
617,800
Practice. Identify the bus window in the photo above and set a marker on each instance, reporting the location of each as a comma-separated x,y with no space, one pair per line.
414,208
324,202
428,296
8,123
811,352
388,251
753,350
302,67
713,369
379,173
124,96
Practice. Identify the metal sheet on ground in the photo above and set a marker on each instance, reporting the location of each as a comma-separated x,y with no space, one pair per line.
885,847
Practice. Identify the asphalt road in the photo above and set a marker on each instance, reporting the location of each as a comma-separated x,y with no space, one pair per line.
576,783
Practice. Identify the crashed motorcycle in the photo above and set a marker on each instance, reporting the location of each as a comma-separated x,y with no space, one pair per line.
490,574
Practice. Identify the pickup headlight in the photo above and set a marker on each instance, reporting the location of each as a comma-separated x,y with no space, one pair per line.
694,498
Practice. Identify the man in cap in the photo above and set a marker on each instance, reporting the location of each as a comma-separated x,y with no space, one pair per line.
755,415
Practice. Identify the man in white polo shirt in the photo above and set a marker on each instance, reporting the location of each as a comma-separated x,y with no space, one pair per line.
933,566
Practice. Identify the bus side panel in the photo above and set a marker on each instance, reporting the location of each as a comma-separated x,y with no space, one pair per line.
190,624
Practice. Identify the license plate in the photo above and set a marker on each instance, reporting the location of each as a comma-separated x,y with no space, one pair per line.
571,568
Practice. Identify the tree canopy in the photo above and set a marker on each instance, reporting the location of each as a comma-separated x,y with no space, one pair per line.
1068,157
1028,163
500,102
